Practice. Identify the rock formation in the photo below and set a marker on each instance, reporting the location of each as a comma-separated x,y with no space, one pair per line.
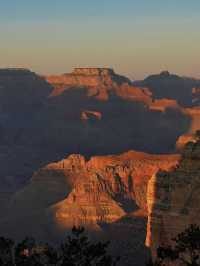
194,114
107,103
90,111
184,139
173,199
79,192
196,95
100,83
89,115
95,111
170,86
163,104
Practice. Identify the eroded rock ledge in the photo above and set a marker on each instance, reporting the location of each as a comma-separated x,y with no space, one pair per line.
74,191
174,199
100,83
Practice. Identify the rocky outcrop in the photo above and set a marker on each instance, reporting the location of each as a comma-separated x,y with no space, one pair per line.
194,115
184,139
190,136
91,115
88,204
171,86
79,192
101,84
108,188
196,95
173,199
90,77
162,104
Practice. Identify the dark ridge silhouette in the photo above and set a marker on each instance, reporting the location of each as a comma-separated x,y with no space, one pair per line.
166,85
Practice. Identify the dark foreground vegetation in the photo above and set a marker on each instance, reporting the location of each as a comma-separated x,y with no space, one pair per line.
76,250
184,252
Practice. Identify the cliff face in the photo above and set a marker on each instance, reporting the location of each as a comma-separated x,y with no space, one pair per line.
194,115
184,139
106,195
89,77
100,84
79,192
173,199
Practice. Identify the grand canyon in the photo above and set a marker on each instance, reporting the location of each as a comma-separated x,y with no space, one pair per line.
93,148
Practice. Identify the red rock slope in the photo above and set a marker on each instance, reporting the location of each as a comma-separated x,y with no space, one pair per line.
100,83
79,192
174,199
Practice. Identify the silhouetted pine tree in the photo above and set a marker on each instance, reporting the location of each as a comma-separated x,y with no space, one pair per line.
186,250
76,250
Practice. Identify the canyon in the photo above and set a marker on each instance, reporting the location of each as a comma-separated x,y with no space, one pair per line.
105,194
63,116
94,148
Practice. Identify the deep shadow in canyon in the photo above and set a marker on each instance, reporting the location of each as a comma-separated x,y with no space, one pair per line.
37,128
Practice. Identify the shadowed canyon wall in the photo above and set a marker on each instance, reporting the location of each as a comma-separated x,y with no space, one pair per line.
173,199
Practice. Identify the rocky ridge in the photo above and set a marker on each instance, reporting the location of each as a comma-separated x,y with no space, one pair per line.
170,86
101,83
173,198
90,193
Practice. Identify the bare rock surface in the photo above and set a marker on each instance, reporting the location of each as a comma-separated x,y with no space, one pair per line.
173,199
75,191
100,83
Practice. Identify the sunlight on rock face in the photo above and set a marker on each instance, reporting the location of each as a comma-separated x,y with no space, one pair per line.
173,199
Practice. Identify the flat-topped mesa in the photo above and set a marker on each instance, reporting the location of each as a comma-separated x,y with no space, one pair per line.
100,83
93,71
88,77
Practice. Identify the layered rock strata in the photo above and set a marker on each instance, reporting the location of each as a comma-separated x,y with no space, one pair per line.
101,83
79,192
173,199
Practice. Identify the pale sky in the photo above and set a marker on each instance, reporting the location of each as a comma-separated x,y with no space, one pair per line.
135,37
